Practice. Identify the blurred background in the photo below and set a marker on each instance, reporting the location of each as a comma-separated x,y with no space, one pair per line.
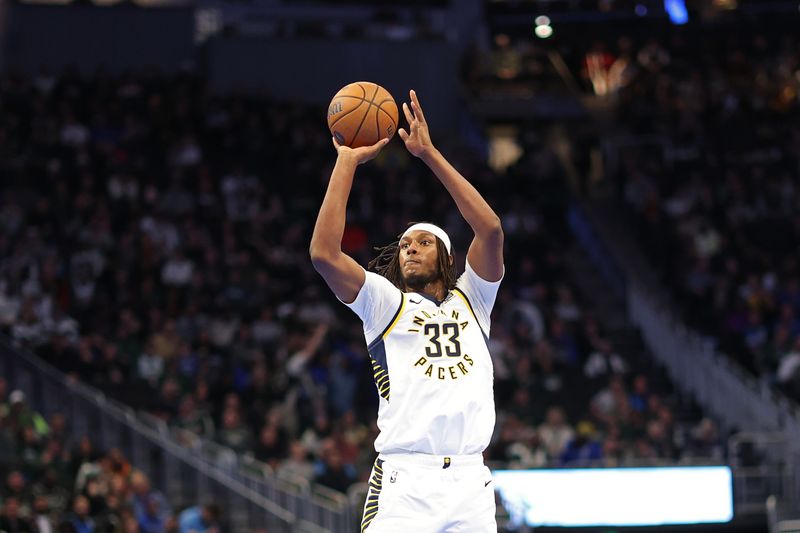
170,361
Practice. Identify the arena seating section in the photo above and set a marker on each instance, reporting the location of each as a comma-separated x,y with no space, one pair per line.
154,244
715,200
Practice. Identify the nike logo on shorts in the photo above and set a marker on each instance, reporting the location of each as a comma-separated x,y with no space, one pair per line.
487,483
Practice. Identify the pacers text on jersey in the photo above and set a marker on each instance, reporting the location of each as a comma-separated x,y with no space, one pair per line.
443,358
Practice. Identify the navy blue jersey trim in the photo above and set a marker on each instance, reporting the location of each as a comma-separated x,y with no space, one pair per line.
373,495
431,298
380,368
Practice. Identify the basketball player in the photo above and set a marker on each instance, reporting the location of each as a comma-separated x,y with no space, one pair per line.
426,333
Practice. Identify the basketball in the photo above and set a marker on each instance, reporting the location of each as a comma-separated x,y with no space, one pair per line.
361,114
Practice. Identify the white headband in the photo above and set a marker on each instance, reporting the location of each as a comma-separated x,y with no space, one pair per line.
430,228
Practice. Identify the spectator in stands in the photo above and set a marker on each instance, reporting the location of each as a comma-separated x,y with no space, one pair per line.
10,519
638,398
566,308
298,463
150,364
200,519
233,433
41,517
518,445
660,440
615,450
343,380
612,402
604,362
79,518
17,487
314,436
527,451
550,375
153,519
332,472
271,446
554,432
352,435
166,406
520,407
192,419
583,449
565,343
95,494
20,416
30,450
50,487
144,499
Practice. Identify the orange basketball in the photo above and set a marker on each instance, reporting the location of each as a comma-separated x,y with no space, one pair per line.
361,114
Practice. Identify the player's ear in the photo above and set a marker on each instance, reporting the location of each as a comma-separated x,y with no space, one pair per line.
450,260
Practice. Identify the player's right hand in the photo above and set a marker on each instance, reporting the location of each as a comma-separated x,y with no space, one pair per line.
361,154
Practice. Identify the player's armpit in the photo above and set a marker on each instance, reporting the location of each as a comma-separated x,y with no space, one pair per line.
343,275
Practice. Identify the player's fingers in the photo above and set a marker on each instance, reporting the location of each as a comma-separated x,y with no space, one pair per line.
372,151
416,106
418,113
403,135
335,143
407,113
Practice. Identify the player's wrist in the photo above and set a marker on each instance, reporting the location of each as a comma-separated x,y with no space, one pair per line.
429,155
348,157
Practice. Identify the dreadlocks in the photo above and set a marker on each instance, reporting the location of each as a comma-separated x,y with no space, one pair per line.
387,264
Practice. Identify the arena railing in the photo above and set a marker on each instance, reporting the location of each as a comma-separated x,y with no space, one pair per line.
781,518
188,469
191,470
720,386
311,504
765,465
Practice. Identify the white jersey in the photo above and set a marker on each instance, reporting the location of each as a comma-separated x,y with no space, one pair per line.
431,365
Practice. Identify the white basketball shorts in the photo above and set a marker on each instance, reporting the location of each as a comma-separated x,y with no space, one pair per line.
423,493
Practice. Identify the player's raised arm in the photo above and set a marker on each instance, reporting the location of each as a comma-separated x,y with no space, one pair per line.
485,254
342,274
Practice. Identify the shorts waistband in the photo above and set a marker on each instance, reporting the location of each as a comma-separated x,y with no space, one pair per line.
434,461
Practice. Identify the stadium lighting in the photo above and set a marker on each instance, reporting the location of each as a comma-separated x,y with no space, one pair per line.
543,31
640,10
676,9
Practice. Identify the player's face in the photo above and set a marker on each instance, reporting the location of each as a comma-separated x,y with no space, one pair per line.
418,258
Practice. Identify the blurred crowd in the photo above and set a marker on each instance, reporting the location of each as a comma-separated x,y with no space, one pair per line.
56,481
715,192
154,244
702,142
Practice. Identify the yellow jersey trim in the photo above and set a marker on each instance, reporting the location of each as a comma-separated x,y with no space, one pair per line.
397,316
466,301
472,311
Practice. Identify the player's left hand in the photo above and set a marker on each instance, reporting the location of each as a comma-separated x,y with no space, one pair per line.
418,141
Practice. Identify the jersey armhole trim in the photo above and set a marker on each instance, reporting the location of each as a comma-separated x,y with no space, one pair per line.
463,296
392,322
